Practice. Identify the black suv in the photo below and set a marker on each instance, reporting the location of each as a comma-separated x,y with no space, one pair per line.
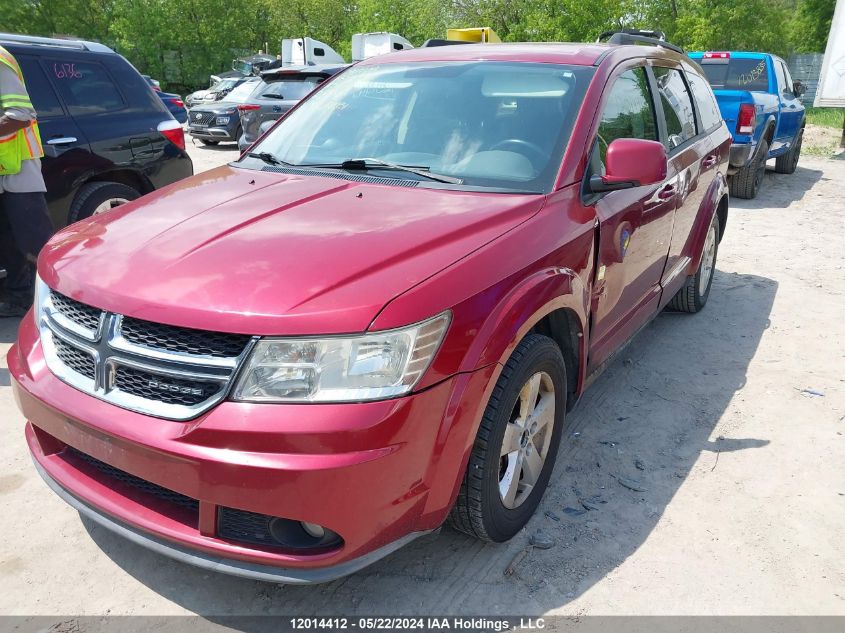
107,136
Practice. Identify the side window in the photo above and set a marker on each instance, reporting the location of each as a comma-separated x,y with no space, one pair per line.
708,111
780,76
677,106
788,85
629,112
85,87
40,91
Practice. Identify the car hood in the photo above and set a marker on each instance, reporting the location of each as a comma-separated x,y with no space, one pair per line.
217,107
258,252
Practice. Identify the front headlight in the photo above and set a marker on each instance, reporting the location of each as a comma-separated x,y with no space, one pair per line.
42,292
341,369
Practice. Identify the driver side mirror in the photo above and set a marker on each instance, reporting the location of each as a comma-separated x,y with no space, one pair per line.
798,88
631,162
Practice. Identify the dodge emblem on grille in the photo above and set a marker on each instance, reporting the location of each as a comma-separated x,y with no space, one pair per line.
164,386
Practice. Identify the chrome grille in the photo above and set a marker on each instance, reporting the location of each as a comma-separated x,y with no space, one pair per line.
159,370
182,340
169,390
81,314
202,118
79,361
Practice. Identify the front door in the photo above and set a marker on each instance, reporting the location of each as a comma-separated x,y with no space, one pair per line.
791,110
635,224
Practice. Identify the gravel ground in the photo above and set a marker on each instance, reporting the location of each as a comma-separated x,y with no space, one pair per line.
730,422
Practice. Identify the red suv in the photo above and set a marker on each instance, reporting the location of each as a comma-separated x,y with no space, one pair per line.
377,320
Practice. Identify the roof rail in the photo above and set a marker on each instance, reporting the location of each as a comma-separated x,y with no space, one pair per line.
34,40
639,36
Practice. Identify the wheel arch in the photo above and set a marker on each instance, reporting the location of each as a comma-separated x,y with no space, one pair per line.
138,181
563,327
553,302
716,202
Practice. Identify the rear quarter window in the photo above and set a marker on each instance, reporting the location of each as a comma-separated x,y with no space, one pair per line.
737,74
708,111
85,87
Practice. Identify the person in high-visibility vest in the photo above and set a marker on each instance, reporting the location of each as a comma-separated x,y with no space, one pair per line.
22,189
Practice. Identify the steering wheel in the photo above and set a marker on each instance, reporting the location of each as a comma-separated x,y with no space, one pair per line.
522,144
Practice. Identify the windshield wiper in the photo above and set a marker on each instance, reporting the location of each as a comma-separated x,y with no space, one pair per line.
361,164
268,158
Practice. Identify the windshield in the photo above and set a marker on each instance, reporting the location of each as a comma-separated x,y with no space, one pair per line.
242,66
243,92
490,124
290,90
736,74
223,84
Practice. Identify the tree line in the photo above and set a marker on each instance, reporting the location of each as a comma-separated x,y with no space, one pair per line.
182,41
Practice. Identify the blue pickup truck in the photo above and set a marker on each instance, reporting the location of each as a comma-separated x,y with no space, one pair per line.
760,104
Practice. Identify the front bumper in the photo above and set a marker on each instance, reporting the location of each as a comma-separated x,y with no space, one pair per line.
378,474
231,567
212,133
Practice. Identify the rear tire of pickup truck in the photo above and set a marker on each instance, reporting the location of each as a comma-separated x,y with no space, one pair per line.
787,163
98,197
746,182
692,297
516,445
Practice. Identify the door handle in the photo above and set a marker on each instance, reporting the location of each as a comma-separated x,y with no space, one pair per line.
62,140
709,161
667,193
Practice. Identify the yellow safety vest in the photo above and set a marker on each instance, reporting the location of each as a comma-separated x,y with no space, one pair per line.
25,144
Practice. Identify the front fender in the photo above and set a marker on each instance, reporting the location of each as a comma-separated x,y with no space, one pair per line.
526,305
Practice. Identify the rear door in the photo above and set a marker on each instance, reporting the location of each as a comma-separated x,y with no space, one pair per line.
113,106
635,224
693,159
66,150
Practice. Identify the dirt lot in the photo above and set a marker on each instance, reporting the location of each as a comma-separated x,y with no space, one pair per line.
731,420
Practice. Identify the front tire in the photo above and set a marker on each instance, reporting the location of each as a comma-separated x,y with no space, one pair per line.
517,443
747,181
692,297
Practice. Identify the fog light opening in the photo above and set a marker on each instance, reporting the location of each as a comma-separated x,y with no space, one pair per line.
312,529
301,534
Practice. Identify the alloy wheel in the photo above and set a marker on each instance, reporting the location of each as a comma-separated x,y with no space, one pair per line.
527,439
108,205
708,258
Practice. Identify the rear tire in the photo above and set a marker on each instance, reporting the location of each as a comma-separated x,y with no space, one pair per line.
787,163
97,197
516,446
692,297
747,181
